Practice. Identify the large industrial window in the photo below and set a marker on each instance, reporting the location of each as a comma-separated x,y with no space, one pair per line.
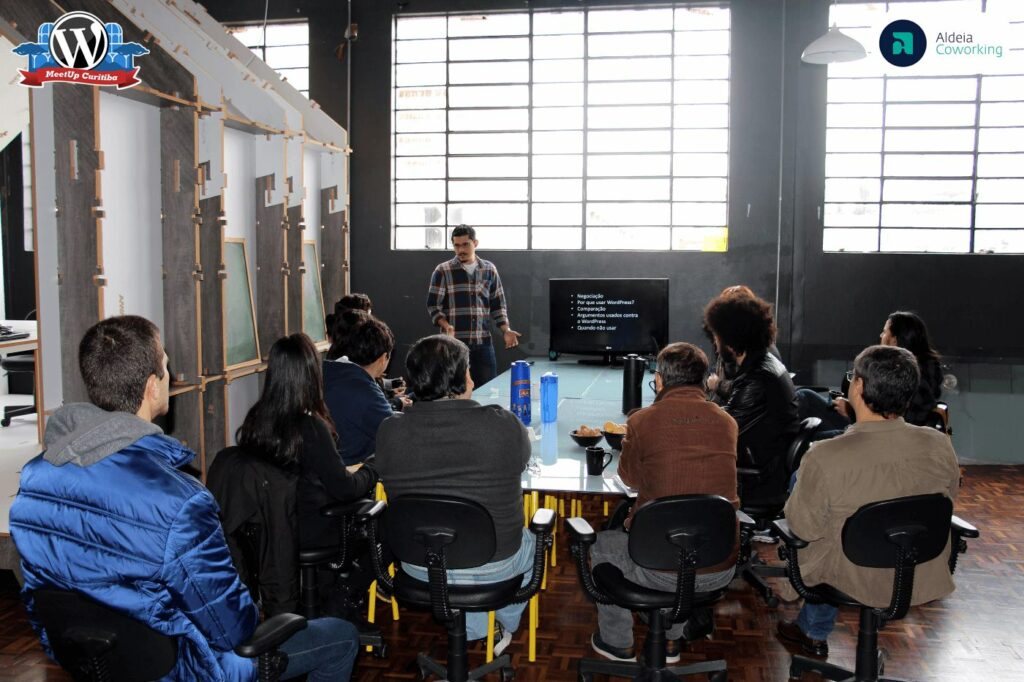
284,46
927,161
591,129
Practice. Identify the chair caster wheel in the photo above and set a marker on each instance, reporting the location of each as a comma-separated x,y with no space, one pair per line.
6,421
718,676
508,674
424,673
882,655
380,651
584,677
772,601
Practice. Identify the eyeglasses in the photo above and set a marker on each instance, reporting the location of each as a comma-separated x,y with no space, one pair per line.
652,385
849,376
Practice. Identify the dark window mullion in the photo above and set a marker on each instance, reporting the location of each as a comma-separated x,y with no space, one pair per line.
974,167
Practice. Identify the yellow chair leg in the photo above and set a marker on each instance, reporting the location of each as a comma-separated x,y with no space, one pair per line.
534,617
371,611
551,502
526,510
490,636
606,509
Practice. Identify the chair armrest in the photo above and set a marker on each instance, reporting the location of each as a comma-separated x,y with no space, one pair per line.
747,471
318,555
341,509
580,531
745,521
789,537
543,521
371,511
962,528
271,634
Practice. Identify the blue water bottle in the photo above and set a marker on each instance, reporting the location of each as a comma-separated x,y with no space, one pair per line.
520,393
548,397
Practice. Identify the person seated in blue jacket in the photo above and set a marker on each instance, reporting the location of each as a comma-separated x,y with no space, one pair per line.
105,512
354,398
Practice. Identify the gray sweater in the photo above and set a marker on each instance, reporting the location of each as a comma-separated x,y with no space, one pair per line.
462,449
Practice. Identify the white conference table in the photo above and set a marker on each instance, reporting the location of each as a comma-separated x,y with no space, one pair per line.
588,395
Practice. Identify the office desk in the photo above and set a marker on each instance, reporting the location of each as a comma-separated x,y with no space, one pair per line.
588,395
20,326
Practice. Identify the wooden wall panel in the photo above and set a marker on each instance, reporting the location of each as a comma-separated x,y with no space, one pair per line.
215,416
184,421
294,258
79,224
211,245
178,178
270,272
332,249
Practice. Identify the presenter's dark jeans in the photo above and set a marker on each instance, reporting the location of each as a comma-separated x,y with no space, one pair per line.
482,365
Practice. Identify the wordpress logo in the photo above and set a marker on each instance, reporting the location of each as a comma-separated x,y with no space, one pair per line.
902,43
78,40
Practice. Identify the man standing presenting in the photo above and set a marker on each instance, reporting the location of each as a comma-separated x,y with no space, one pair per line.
464,292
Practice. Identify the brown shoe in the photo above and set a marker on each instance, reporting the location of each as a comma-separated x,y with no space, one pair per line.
789,631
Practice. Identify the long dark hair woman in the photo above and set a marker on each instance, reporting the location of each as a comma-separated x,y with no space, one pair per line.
291,427
907,330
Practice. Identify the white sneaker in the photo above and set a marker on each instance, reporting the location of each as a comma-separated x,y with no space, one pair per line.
501,639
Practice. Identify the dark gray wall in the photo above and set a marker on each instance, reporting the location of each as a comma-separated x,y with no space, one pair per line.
829,305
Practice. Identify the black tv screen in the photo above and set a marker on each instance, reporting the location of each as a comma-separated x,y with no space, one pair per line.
608,316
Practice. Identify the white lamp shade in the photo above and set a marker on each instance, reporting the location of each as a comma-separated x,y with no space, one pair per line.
834,46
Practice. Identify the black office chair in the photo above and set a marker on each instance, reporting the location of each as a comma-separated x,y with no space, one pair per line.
336,557
445,533
96,643
897,534
15,364
682,533
765,510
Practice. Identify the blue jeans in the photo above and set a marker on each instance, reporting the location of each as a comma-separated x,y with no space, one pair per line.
520,563
482,365
325,651
813,404
817,620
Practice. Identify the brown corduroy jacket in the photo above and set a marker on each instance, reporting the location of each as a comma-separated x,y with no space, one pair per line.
681,445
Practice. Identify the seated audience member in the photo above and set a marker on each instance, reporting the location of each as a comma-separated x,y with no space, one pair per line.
903,329
290,426
720,381
761,397
105,512
355,400
349,302
880,457
341,327
682,444
447,444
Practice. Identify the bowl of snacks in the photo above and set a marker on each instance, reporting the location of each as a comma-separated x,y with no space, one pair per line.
585,436
614,433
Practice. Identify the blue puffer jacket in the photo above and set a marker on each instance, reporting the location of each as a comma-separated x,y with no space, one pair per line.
104,511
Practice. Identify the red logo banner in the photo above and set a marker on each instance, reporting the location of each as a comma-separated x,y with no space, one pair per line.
121,79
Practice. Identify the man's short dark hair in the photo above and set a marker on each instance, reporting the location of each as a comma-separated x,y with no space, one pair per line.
744,323
682,364
891,377
437,367
341,329
368,340
464,231
116,358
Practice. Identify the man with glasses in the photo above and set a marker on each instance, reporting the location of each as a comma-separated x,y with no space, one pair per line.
880,457
682,444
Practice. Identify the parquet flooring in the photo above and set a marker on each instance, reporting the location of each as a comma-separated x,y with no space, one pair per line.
977,633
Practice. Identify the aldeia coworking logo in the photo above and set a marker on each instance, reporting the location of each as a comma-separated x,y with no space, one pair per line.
79,48
902,43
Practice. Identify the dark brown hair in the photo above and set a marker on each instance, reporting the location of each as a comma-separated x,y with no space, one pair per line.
116,357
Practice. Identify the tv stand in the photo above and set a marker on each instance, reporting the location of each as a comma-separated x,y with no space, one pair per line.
606,360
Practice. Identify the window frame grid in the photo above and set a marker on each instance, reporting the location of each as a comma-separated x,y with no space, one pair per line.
260,49
584,130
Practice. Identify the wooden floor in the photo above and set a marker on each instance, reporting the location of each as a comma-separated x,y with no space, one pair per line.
975,634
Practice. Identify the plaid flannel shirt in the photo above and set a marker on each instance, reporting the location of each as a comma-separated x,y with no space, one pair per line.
467,301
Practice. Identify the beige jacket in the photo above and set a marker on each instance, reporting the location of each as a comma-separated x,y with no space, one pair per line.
872,461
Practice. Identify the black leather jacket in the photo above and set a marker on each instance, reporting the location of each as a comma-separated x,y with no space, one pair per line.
762,400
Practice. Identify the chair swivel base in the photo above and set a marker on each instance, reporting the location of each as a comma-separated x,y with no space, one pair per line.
429,666
755,570
714,670
802,664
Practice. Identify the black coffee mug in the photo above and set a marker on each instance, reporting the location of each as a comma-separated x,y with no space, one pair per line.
596,462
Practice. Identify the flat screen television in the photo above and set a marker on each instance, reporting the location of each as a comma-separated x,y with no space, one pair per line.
611,317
